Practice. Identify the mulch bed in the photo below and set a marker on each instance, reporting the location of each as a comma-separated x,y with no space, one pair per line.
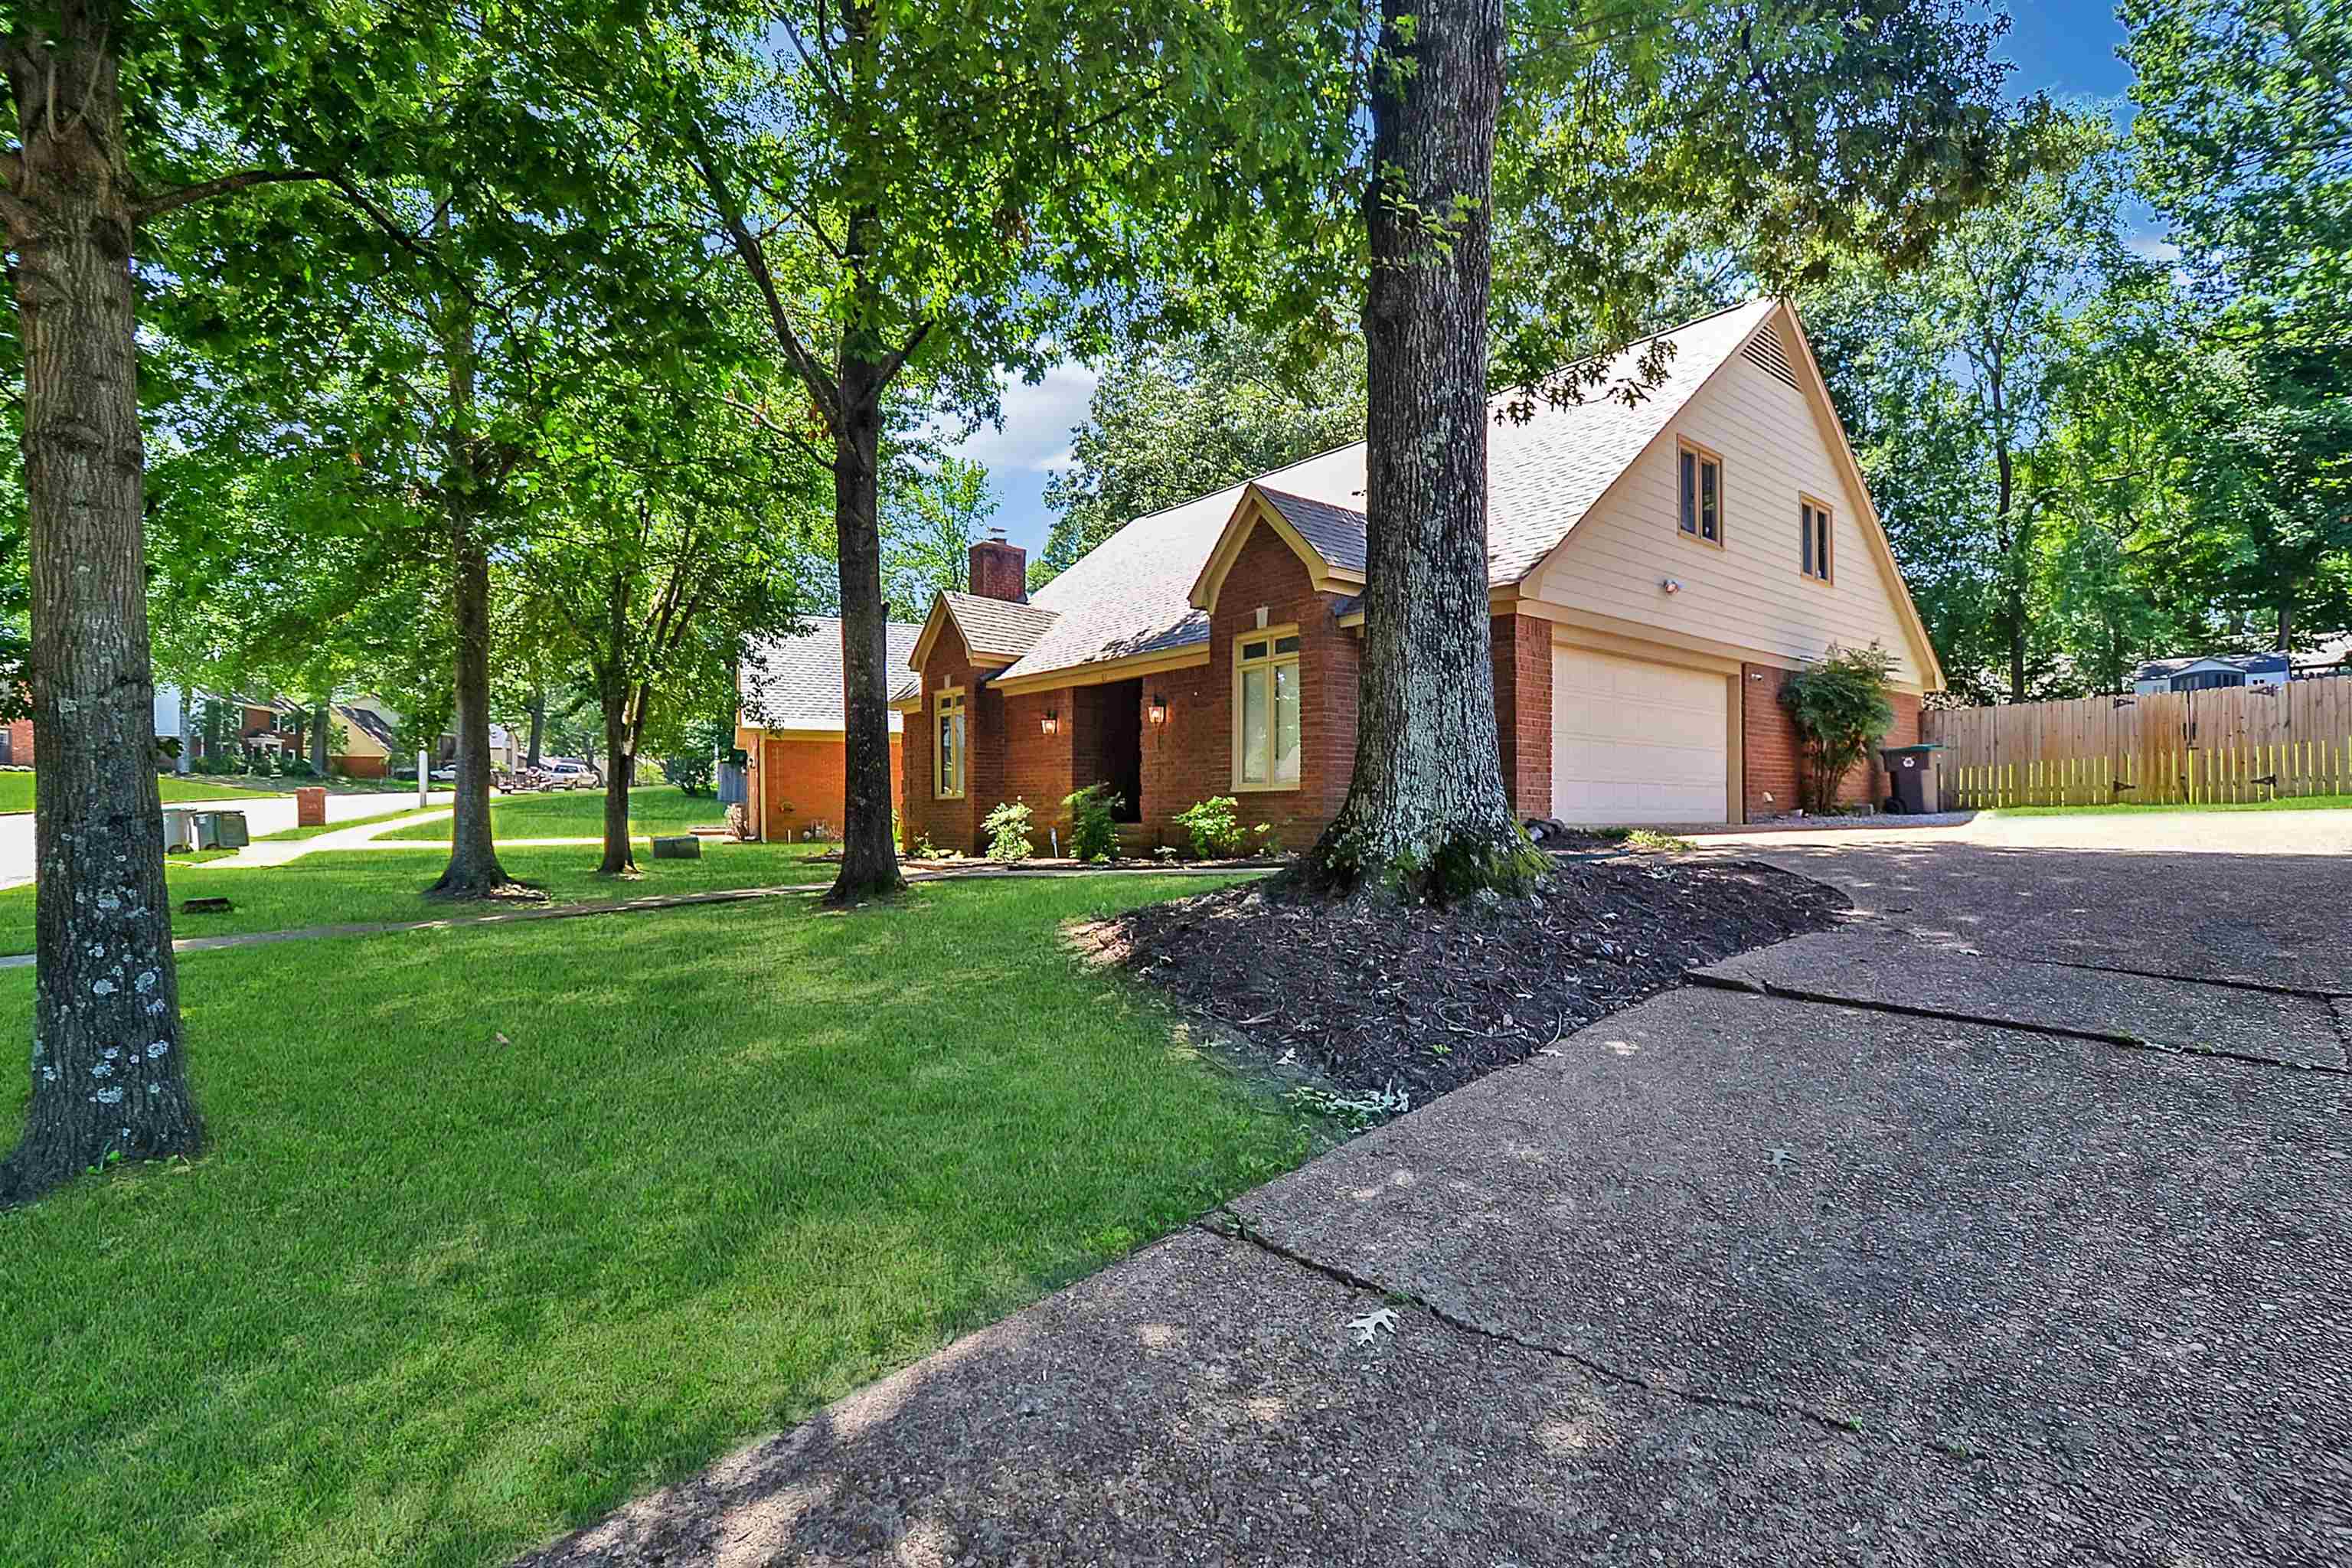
1379,996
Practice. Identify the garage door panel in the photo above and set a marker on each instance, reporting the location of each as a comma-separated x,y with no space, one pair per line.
1635,742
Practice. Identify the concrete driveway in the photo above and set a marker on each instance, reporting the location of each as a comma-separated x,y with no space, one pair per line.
2011,1223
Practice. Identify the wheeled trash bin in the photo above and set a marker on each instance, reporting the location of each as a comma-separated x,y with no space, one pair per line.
1911,778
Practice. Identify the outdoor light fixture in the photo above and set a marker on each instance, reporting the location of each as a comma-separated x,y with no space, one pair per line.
1052,722
1158,708
1670,585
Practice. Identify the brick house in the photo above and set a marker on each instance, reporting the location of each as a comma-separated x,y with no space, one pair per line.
791,730
1656,568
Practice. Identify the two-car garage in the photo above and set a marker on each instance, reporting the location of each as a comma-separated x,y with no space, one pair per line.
1635,740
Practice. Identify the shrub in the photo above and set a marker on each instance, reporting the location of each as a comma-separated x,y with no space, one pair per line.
1008,832
1840,707
738,822
1215,827
1094,835
692,772
927,850
299,768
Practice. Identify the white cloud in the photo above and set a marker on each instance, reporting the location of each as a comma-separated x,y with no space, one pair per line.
2153,247
1034,434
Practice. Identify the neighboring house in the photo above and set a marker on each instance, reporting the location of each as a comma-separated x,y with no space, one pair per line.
2212,672
368,733
792,732
16,743
1654,570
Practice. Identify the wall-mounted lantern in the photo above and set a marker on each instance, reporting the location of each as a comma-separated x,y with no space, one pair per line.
1052,722
1158,708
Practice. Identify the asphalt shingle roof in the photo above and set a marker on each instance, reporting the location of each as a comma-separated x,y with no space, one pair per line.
1130,595
794,683
998,628
1337,532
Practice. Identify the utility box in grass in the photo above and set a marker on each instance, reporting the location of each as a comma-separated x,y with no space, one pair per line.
685,846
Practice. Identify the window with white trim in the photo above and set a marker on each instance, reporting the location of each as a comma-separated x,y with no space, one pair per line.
1265,711
1702,493
946,759
1813,527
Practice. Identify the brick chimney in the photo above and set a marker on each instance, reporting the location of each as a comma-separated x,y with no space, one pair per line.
999,570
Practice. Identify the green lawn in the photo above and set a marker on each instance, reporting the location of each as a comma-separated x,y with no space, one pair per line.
2294,803
336,887
433,1299
17,791
580,813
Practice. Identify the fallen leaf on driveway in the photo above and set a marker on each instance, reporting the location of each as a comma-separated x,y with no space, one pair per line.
1372,1322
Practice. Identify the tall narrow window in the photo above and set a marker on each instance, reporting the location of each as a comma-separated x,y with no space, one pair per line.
1813,525
1265,711
947,764
1702,494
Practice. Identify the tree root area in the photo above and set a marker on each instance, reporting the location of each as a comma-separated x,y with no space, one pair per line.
1381,994
494,894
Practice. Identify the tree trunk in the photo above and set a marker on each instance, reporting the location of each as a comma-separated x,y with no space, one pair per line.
474,871
620,854
107,1076
2285,632
870,860
187,748
1426,812
321,740
538,725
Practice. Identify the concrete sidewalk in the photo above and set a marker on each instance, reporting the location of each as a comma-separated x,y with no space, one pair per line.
1727,1277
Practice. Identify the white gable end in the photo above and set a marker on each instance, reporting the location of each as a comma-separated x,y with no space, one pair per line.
1750,591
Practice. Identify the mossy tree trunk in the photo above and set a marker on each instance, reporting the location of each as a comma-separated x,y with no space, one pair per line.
107,1079
1426,812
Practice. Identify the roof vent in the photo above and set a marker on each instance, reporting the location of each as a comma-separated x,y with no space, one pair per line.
1764,352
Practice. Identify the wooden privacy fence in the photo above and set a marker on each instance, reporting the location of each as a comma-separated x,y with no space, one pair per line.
2237,744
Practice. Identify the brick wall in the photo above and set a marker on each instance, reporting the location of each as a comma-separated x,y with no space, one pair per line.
20,742
1768,747
1038,767
1189,758
802,782
1523,711
953,824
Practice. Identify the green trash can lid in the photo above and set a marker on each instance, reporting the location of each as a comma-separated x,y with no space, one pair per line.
1912,751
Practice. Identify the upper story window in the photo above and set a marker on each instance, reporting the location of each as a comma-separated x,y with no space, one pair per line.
947,762
1702,493
1813,524
1266,709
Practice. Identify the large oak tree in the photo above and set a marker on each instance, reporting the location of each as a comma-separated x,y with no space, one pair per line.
959,191
1828,123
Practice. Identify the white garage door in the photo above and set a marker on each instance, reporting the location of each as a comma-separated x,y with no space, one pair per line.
1634,742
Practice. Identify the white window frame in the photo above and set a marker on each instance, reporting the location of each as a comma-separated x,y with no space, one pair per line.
948,703
1270,662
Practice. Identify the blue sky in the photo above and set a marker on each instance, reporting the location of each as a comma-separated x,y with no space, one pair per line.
2064,47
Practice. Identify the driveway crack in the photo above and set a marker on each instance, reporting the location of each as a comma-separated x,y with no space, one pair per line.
1238,1229
2056,1031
